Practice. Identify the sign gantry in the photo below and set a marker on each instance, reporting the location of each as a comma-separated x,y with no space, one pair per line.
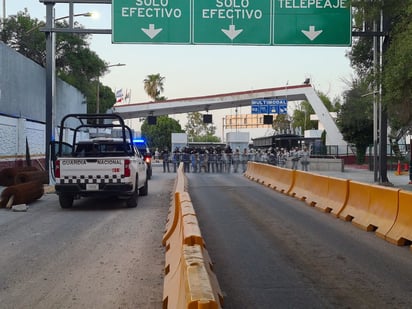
234,22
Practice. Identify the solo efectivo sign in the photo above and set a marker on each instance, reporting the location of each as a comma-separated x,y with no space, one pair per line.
234,22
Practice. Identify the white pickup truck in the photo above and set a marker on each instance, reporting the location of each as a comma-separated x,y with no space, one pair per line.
97,162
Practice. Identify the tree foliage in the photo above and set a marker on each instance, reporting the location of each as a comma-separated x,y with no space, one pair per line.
395,17
198,131
281,123
301,115
397,75
160,135
154,86
75,62
355,119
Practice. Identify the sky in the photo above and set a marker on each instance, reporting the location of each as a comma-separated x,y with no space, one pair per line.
197,70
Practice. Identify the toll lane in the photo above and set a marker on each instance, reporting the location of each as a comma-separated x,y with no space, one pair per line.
271,250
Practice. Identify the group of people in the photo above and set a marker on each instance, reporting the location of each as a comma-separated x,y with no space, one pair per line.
226,160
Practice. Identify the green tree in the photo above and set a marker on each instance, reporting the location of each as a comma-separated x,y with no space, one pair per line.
301,115
281,123
198,131
160,135
75,62
397,75
154,86
21,33
396,18
355,120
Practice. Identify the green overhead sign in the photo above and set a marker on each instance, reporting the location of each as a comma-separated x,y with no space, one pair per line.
312,22
234,22
151,21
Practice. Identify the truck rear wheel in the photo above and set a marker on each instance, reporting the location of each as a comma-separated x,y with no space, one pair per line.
145,189
66,200
131,202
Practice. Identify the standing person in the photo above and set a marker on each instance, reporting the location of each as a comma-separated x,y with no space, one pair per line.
212,159
228,158
219,160
304,158
186,160
236,160
282,158
176,159
193,160
295,158
157,155
165,158
243,159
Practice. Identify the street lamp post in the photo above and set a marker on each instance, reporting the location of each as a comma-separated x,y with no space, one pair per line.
4,14
51,74
98,85
42,24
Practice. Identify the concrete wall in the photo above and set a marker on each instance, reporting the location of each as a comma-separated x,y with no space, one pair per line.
23,105
324,164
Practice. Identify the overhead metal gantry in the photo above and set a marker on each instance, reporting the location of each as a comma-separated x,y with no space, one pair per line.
237,99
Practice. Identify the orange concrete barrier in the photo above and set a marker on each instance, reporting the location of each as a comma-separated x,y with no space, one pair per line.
190,284
371,207
309,187
262,173
172,218
325,193
280,179
336,196
401,232
189,278
284,179
250,171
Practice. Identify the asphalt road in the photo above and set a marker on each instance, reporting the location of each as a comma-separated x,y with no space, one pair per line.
269,250
97,255
274,251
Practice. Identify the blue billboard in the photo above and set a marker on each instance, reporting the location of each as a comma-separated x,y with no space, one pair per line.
269,106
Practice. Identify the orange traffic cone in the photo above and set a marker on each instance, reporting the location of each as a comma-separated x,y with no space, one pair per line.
398,170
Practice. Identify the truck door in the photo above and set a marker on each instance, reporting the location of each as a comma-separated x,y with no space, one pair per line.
67,150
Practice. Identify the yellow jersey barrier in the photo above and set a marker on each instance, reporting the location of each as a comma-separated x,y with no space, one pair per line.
189,278
371,207
401,232
264,174
384,210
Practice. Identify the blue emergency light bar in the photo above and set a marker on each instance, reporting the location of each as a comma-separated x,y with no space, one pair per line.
138,140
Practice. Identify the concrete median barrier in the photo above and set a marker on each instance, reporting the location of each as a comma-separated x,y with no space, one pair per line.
308,187
278,178
189,278
336,196
371,207
189,282
250,171
401,232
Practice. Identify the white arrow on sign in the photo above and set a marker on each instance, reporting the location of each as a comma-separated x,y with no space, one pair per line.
232,33
152,32
312,33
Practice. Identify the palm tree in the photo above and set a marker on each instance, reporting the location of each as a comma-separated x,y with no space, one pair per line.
153,85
